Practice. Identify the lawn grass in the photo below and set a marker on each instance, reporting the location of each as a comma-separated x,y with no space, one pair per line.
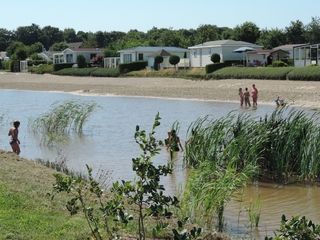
277,73
193,73
311,73
26,210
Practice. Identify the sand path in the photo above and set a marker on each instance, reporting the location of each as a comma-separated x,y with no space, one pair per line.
301,93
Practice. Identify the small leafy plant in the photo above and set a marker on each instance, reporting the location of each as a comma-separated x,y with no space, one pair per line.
88,197
297,228
146,192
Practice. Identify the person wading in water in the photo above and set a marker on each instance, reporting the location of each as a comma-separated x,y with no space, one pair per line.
13,134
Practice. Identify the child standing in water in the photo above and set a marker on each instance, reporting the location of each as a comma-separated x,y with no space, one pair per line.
14,141
241,97
247,98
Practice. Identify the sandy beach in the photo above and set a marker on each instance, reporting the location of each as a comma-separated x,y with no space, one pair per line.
300,93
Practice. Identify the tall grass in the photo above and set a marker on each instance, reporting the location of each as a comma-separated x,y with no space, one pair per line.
283,145
63,119
225,154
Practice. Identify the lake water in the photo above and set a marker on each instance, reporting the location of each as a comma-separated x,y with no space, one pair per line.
108,144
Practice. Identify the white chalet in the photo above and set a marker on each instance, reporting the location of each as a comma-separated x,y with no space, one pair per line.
200,55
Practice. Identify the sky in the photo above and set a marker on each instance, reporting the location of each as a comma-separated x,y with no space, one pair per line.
124,15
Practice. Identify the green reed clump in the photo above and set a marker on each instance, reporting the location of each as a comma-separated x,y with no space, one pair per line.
283,145
254,212
226,153
62,119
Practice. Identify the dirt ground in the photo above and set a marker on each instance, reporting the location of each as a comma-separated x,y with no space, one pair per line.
301,93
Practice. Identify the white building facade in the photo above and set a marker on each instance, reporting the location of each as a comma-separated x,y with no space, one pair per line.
200,55
149,53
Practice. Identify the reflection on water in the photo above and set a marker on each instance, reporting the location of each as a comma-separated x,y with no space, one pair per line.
108,144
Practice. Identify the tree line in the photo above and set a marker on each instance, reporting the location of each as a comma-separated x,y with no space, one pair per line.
55,38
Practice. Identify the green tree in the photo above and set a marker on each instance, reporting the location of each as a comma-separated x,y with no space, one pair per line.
59,46
81,61
111,53
6,37
82,36
296,32
206,33
50,35
28,34
272,38
35,48
226,33
100,39
313,31
13,47
69,35
248,32
21,53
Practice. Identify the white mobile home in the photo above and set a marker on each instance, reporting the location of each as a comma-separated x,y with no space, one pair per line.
200,55
70,55
149,53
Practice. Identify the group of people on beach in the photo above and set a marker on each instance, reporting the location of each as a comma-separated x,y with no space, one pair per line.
245,97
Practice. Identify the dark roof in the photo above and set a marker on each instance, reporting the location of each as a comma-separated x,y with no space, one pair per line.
288,47
260,51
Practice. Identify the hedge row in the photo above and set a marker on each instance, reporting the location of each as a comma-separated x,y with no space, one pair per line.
194,73
57,67
134,66
251,73
85,72
311,73
214,67
42,68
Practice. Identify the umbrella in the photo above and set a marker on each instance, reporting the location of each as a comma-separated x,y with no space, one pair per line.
243,50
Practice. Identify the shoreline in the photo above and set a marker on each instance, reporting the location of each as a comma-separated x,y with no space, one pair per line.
296,93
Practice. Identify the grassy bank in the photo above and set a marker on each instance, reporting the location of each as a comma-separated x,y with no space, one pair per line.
277,73
26,212
194,73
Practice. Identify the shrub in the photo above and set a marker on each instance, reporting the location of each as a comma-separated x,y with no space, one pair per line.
82,72
42,68
251,73
134,66
157,61
279,64
214,66
106,72
215,58
7,65
110,53
81,61
174,60
20,54
57,67
36,57
36,62
297,228
305,73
